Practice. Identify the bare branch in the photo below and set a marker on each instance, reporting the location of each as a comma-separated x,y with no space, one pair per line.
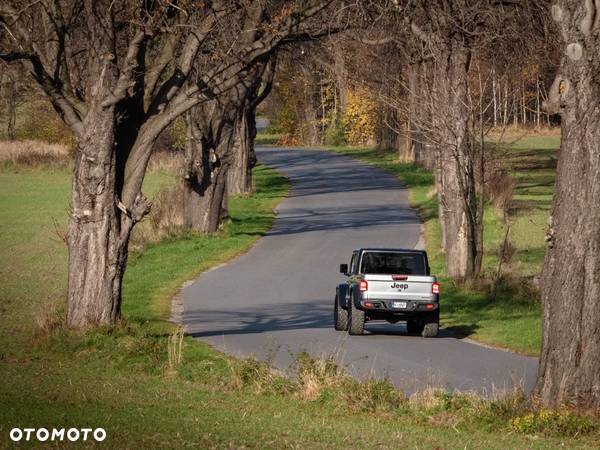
180,74
156,69
127,76
267,78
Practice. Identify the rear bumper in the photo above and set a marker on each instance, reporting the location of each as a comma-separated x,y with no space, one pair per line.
413,308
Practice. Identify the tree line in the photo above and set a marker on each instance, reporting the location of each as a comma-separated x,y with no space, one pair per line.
119,73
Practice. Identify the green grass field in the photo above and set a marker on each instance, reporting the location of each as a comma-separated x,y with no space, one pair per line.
121,378
511,320
33,211
267,139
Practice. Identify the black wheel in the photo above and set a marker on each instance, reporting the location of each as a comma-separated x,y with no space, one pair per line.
356,319
431,329
340,316
414,326
432,325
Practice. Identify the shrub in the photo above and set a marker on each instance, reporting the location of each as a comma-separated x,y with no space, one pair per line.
41,123
374,396
285,122
288,140
258,376
546,421
178,133
335,133
359,118
316,376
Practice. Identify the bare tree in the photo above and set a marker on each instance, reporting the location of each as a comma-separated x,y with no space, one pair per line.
215,165
210,154
118,73
240,175
440,107
569,370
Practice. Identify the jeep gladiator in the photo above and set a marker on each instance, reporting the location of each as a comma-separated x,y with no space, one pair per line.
388,284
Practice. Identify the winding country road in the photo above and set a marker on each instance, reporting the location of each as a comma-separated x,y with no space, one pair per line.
277,299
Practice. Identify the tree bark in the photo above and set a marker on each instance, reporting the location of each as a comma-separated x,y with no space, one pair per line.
386,133
244,160
11,108
569,367
494,97
341,81
97,236
419,144
207,162
415,142
455,178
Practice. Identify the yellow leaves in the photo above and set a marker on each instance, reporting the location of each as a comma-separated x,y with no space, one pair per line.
359,118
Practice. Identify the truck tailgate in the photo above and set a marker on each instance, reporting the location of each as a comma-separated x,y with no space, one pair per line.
385,287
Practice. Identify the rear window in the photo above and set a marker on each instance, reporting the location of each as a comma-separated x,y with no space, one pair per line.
393,263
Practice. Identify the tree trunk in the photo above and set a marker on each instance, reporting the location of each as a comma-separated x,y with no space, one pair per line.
11,109
310,131
505,117
424,151
537,102
415,141
244,157
569,368
524,104
207,162
386,133
205,203
98,234
455,175
494,97
341,81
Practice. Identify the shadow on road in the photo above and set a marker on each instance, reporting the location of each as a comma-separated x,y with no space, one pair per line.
282,317
305,220
326,178
326,173
261,318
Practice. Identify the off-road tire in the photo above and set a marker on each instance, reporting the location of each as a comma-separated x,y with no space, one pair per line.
356,319
431,329
414,326
340,316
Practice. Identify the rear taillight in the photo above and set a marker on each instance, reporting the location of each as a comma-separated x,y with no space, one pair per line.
363,286
435,288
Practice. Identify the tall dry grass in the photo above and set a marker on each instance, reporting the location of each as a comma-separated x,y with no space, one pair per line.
170,161
165,218
175,349
514,132
50,315
33,153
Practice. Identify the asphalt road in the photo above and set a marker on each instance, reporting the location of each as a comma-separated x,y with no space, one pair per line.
277,299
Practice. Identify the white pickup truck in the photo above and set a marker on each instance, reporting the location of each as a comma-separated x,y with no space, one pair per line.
388,284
